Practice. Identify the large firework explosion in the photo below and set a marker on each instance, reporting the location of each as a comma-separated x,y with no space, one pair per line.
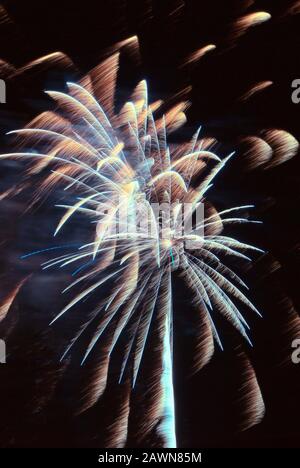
99,162
130,170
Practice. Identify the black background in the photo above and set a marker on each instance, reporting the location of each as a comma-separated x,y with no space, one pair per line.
207,413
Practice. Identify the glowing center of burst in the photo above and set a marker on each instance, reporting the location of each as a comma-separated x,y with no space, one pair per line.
170,252
166,243
131,187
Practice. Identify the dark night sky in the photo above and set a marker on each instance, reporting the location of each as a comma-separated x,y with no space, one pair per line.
207,412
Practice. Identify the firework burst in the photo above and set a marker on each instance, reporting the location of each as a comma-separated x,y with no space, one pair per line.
120,169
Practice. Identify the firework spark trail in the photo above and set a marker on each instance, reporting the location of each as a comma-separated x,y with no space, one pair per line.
168,426
118,166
